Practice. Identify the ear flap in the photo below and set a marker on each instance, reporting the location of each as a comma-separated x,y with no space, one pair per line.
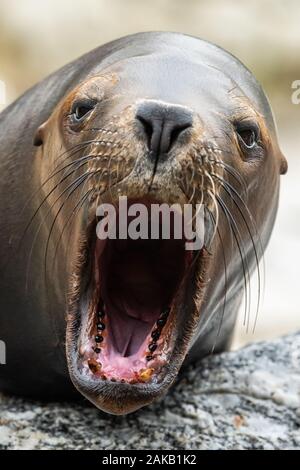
39,135
283,165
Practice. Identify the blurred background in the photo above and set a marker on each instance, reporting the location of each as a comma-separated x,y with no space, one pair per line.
37,37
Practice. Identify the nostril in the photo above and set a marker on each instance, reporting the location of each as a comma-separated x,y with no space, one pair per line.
147,127
176,131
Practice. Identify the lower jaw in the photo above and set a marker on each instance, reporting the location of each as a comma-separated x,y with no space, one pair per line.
120,398
101,361
137,387
139,384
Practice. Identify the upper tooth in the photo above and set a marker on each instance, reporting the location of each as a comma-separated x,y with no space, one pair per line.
155,334
98,338
161,321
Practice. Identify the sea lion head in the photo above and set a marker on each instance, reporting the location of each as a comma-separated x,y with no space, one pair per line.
166,119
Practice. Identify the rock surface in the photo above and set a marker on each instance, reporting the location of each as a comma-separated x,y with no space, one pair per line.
248,399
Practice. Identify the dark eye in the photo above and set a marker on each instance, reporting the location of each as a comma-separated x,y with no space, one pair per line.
248,135
80,110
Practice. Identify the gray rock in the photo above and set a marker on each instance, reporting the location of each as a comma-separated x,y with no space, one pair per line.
248,399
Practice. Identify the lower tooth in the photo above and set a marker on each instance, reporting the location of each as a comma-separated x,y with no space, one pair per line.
133,381
152,346
94,366
146,374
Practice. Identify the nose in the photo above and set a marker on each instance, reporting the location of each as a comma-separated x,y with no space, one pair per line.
162,125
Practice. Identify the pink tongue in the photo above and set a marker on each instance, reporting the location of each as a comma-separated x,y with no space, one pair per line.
133,300
127,333
132,314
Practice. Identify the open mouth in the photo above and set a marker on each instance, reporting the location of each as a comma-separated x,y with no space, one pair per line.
131,313
132,316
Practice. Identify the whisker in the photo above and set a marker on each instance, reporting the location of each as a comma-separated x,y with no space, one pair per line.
73,214
51,191
212,195
213,198
225,282
54,173
243,258
39,228
73,187
234,174
76,210
229,190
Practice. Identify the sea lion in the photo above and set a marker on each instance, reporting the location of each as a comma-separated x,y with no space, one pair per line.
157,117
